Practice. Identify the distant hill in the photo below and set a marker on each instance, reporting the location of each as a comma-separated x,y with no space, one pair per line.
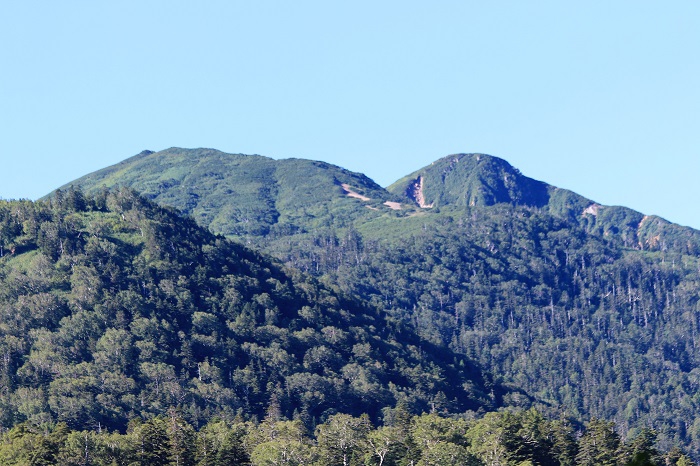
582,310
252,197
471,180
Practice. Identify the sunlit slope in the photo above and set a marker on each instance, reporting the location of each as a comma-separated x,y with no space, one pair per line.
246,195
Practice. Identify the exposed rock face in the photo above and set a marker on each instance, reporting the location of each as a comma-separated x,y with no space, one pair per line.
591,210
415,192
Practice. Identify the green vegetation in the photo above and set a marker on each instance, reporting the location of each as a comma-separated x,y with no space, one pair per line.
477,180
473,180
566,319
505,438
113,309
251,197
245,196
574,308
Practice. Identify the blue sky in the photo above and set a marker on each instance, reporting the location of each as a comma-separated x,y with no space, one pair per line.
599,97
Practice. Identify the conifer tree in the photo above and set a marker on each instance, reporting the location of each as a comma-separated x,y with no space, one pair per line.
599,445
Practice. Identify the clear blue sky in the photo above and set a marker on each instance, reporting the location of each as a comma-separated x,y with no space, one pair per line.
601,97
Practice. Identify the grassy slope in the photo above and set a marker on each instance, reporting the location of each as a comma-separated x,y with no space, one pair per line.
252,197
245,195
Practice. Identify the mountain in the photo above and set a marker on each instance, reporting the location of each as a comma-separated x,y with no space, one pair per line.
253,197
580,309
471,180
246,195
467,180
113,308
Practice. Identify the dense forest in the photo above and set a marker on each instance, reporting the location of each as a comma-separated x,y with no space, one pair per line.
112,308
570,319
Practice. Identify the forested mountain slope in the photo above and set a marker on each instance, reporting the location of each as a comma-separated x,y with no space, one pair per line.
113,308
584,309
570,318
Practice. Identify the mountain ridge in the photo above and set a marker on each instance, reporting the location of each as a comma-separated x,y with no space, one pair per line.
468,180
253,196
204,182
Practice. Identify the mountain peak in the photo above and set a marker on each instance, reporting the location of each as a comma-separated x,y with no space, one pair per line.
245,195
471,180
255,196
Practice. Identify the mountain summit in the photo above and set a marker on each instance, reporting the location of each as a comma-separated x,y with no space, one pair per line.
245,195
252,196
470,180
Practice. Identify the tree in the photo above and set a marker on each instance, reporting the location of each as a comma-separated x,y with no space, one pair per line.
564,446
446,453
280,442
641,451
231,449
341,439
181,440
487,440
153,445
599,445
430,429
383,443
25,446
81,448
219,444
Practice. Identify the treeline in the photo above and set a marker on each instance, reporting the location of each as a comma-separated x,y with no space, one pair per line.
505,438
